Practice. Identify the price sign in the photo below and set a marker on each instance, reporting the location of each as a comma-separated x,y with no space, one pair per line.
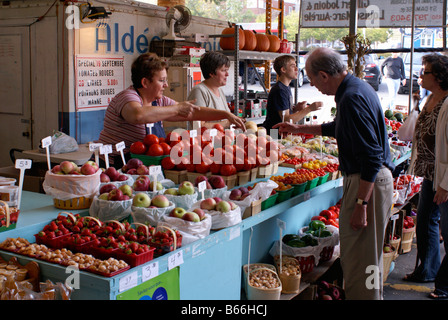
120,147
213,134
149,126
127,282
95,147
201,187
22,165
150,271
154,172
105,150
176,259
46,142
193,134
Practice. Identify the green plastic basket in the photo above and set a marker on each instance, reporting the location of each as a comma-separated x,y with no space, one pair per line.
323,179
269,202
312,184
149,160
284,195
299,188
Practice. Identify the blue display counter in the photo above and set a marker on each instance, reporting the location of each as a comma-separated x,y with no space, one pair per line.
207,269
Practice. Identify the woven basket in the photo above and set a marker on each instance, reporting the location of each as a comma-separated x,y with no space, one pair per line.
407,239
290,283
387,260
73,204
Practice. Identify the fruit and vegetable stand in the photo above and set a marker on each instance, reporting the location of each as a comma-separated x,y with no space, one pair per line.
209,268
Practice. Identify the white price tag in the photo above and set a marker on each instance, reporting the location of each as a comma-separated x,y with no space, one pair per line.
193,134
150,271
94,146
154,170
105,150
281,224
394,217
149,126
127,282
176,259
213,132
23,164
202,186
119,147
46,142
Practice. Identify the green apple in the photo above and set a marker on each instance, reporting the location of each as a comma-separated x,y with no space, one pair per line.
158,186
177,212
160,201
127,189
186,188
171,191
104,196
141,200
191,216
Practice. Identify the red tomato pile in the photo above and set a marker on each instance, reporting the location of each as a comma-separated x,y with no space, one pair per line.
151,146
318,172
331,167
408,222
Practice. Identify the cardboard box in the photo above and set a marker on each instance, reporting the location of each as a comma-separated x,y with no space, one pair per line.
31,182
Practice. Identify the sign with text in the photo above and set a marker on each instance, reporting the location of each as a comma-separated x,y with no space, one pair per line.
372,13
97,80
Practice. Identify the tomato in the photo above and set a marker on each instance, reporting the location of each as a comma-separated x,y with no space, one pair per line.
328,214
319,218
166,148
167,163
150,139
202,167
155,150
332,222
218,127
215,168
138,147
227,170
182,165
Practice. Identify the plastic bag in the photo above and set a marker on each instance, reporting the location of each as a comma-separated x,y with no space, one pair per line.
183,201
211,193
61,143
106,210
296,252
191,231
220,219
150,215
69,186
129,182
406,131
330,241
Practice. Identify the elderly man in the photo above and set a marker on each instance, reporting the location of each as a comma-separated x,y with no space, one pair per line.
365,161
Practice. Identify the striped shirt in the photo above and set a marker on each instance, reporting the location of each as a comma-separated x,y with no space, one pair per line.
116,128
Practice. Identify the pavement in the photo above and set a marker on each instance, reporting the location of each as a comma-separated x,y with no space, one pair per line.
397,289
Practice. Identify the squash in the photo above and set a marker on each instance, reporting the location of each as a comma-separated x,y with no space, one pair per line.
274,43
262,42
229,43
250,40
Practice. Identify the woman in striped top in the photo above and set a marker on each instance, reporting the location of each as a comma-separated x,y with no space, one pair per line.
143,102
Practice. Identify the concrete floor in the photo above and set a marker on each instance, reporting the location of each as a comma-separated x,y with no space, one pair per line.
397,289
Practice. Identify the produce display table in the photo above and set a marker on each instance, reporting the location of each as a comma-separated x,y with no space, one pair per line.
79,157
208,269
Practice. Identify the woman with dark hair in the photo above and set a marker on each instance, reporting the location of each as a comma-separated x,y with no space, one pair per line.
429,160
209,93
143,102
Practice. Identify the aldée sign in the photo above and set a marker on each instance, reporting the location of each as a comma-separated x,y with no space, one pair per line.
372,13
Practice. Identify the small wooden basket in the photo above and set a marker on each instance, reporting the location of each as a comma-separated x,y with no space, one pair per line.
407,239
290,283
254,293
73,204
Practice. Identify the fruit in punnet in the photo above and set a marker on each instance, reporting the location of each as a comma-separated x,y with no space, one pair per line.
160,201
208,204
57,169
200,213
167,163
171,191
115,195
141,184
142,170
68,166
89,168
141,200
235,194
134,163
122,177
217,182
186,188
155,150
177,212
223,206
158,186
191,216
137,147
112,173
107,188
126,189
150,139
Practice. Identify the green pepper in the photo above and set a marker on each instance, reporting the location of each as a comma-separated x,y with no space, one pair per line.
323,234
288,237
316,225
296,243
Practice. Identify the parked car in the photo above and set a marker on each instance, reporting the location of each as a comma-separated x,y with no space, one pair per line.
302,77
416,67
371,69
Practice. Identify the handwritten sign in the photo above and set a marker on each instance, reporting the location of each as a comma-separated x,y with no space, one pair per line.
97,80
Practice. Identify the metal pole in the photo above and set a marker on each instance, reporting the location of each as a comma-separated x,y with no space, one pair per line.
411,76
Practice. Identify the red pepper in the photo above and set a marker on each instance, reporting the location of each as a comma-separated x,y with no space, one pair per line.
333,223
323,219
328,214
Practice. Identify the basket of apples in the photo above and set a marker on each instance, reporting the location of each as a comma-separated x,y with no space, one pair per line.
113,176
143,183
150,211
184,196
215,186
72,187
192,224
224,213
113,203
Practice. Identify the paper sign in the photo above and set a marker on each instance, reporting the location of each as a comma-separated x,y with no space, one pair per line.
201,187
150,271
95,147
176,259
119,147
154,171
193,134
22,165
105,150
46,142
127,282
149,126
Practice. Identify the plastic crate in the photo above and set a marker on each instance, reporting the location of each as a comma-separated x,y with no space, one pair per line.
299,188
54,243
323,179
149,160
135,259
284,195
269,202
312,184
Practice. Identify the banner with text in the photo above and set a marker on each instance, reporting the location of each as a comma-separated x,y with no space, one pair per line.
372,13
97,80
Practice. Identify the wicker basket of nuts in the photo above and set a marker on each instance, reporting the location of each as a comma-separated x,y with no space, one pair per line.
262,282
289,273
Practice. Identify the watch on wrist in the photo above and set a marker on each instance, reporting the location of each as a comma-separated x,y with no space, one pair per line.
361,202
